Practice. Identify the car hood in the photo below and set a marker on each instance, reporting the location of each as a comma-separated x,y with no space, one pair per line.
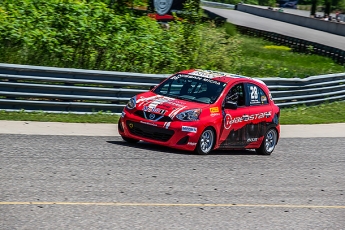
167,106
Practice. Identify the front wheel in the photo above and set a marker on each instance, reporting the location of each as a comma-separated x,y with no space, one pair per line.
206,142
268,143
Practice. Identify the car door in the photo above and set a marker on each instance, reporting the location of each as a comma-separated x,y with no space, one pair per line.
232,134
259,109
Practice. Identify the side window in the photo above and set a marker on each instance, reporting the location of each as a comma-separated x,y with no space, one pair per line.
256,95
236,94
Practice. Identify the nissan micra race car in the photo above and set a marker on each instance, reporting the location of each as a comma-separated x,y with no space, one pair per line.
201,110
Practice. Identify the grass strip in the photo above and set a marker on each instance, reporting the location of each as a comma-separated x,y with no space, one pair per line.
320,114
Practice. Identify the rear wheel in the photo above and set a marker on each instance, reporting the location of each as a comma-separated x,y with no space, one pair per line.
206,142
268,143
130,140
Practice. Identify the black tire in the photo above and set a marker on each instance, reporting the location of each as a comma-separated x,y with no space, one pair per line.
268,143
130,140
206,142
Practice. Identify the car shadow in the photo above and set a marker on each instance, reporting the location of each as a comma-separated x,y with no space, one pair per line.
152,147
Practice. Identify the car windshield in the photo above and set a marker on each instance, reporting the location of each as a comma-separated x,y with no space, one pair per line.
191,88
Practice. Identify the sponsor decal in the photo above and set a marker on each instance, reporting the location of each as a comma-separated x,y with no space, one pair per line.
189,129
228,121
167,124
214,110
211,81
153,101
150,105
252,139
197,77
200,75
208,73
153,110
123,114
147,123
214,114
263,99
191,143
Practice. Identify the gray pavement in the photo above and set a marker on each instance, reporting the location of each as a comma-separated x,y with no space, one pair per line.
83,129
81,182
261,23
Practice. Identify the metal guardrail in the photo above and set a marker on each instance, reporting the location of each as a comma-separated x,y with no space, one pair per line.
217,4
49,89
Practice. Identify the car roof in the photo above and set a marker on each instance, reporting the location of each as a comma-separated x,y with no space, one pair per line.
217,75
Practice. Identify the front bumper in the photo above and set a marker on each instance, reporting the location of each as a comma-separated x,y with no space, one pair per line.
175,134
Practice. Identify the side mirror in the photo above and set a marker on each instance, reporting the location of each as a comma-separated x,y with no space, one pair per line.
230,105
152,87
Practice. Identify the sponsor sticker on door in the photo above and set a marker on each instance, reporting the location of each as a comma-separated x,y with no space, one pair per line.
214,110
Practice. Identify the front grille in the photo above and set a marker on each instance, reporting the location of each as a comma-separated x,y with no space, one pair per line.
149,131
141,114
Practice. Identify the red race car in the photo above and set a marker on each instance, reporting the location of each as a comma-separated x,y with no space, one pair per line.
202,110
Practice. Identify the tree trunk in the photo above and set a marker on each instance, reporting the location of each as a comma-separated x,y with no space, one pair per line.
327,7
313,8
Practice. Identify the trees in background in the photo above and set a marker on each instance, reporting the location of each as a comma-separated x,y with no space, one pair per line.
329,6
94,35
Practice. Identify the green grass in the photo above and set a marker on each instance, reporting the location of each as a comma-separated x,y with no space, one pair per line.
260,58
320,114
100,117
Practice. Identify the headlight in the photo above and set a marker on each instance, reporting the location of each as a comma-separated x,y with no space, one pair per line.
189,115
132,102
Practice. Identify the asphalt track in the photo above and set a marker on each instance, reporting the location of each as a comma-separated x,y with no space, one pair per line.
69,181
266,24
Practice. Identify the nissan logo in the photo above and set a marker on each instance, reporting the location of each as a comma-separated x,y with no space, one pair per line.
152,116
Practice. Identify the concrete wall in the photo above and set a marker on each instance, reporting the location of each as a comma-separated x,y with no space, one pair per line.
317,24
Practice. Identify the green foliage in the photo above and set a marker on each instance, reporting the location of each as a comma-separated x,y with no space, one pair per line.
230,29
90,35
217,49
267,2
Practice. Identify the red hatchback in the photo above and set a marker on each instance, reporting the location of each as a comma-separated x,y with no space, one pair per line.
202,110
